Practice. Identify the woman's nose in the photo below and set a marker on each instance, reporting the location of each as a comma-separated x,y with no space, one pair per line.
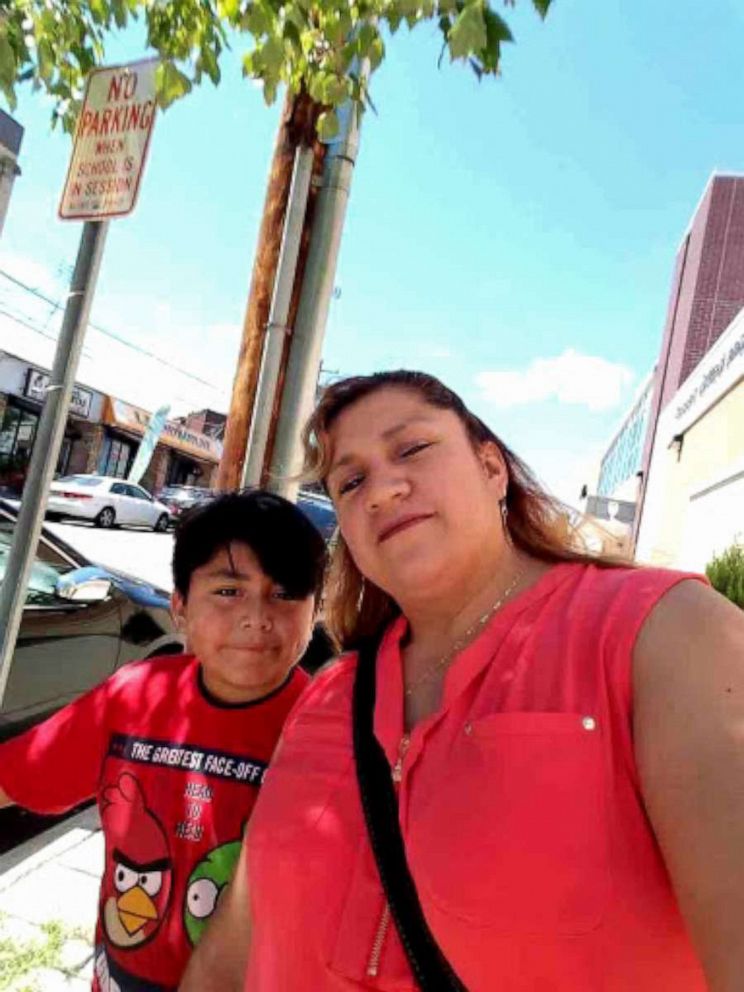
385,489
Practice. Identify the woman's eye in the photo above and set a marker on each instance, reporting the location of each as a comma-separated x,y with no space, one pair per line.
350,484
414,449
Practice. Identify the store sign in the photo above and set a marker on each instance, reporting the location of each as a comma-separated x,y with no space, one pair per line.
174,435
37,384
111,142
721,369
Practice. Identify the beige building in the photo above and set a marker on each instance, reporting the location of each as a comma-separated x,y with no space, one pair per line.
694,502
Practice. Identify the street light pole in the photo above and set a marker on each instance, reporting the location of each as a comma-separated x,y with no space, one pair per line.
277,330
48,441
298,395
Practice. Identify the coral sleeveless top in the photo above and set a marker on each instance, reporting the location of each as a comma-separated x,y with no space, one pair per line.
520,807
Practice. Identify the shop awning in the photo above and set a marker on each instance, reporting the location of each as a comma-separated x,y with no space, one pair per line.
134,420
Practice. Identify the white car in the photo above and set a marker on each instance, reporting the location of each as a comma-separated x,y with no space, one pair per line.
108,502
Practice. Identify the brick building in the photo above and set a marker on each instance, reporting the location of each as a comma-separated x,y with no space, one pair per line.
692,498
707,293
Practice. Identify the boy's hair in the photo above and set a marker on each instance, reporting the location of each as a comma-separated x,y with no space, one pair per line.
288,547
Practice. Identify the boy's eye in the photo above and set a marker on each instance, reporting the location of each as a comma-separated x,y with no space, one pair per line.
227,592
283,594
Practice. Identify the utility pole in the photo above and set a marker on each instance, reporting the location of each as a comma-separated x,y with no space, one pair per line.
298,393
296,127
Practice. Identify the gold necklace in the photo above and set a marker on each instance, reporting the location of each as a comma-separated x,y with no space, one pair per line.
469,634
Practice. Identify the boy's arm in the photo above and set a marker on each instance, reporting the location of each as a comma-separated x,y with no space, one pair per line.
220,960
56,764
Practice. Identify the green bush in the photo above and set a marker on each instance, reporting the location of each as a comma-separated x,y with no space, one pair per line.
726,574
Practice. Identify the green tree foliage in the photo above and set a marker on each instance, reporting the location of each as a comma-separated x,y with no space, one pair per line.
726,574
315,45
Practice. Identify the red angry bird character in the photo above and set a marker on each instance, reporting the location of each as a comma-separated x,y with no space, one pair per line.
137,880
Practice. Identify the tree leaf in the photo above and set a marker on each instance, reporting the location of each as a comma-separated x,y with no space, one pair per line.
7,64
542,7
328,126
376,53
171,84
468,33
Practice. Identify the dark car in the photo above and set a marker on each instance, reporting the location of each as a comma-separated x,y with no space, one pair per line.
178,499
80,623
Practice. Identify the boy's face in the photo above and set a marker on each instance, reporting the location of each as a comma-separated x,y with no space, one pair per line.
245,630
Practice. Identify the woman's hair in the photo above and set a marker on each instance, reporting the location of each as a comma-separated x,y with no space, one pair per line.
539,524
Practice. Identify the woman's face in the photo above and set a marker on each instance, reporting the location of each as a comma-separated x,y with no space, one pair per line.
416,503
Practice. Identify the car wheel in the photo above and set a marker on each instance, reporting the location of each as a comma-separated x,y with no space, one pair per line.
106,518
161,524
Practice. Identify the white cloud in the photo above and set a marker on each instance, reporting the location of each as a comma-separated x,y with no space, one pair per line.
572,378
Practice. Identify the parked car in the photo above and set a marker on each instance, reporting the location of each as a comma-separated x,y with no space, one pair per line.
107,502
320,511
181,498
317,507
80,623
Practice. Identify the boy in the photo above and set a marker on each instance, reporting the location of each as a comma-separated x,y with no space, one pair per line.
175,748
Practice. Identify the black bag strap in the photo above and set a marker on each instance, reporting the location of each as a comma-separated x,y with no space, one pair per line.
431,969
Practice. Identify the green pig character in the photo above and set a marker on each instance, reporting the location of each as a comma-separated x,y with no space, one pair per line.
206,882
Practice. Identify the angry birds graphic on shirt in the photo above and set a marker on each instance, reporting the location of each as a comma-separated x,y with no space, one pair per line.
205,885
137,881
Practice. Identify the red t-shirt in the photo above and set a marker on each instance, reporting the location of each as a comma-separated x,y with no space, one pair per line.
176,774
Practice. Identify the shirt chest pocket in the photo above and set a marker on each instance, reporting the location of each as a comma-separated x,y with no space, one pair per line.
510,831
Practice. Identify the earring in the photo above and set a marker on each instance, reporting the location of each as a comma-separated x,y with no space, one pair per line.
505,519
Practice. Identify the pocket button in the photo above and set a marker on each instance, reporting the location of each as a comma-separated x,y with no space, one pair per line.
589,723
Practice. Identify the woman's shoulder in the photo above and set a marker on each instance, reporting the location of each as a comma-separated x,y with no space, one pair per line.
637,585
613,600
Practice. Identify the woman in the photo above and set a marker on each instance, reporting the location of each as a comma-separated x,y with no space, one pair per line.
566,737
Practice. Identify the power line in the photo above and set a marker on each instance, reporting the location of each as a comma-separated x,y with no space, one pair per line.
110,334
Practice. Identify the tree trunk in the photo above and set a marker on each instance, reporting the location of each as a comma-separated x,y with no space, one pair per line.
297,125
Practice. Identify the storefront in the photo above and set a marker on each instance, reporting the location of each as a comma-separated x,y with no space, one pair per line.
694,503
23,388
181,457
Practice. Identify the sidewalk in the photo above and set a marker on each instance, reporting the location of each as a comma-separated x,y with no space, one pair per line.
48,901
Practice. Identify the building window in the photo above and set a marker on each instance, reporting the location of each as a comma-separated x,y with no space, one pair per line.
117,458
17,433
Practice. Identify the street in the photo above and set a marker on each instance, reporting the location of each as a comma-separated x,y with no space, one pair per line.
143,554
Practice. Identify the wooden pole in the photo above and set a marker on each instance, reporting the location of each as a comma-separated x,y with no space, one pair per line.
297,124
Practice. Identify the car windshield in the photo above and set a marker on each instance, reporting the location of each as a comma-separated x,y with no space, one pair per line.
47,567
81,480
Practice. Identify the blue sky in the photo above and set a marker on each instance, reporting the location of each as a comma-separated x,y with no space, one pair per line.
515,236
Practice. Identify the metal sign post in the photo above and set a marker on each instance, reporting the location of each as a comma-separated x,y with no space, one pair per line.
108,157
48,442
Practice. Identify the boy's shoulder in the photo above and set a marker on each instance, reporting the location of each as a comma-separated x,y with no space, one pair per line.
160,670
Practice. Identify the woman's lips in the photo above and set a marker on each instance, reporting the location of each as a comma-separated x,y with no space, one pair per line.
400,525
